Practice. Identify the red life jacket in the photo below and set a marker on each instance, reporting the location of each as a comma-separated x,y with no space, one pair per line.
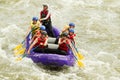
64,46
71,37
39,42
36,35
43,14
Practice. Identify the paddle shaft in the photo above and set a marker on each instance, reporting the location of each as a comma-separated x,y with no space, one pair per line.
72,50
27,35
74,46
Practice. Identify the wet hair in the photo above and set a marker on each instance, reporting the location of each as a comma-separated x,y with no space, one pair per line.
64,34
45,5
44,33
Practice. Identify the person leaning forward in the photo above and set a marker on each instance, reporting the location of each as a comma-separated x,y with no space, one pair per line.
40,43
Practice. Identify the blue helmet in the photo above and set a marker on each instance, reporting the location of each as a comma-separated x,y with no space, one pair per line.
42,28
71,30
35,18
71,24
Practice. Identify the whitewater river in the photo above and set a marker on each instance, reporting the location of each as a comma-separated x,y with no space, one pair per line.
98,38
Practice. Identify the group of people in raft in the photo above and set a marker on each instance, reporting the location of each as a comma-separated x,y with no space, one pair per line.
42,28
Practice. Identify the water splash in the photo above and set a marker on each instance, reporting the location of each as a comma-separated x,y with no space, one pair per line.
97,27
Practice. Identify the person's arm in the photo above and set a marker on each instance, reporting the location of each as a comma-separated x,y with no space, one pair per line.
29,29
40,16
74,39
32,39
46,42
59,42
31,46
71,46
69,43
48,15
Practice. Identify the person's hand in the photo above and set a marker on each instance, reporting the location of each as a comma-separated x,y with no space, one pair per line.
64,41
40,20
41,43
28,51
45,44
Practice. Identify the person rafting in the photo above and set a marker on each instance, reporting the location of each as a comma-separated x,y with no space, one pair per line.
38,33
34,25
40,43
71,35
63,44
45,19
66,28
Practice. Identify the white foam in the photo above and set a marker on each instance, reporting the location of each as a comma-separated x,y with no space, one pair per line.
97,23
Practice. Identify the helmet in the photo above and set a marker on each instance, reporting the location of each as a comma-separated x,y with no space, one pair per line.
42,28
71,30
44,33
35,18
64,34
71,24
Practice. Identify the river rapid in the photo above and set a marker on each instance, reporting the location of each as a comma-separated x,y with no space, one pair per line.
98,38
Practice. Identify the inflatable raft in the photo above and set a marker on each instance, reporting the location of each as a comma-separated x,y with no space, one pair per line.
49,58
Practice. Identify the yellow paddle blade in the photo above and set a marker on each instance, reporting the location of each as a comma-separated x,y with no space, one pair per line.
80,56
18,47
19,59
80,64
20,52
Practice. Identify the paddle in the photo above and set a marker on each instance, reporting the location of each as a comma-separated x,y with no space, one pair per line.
25,54
80,64
20,52
18,47
20,58
78,54
21,44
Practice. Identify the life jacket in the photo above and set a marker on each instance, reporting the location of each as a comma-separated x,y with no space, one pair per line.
34,27
44,14
64,46
71,37
40,41
36,35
